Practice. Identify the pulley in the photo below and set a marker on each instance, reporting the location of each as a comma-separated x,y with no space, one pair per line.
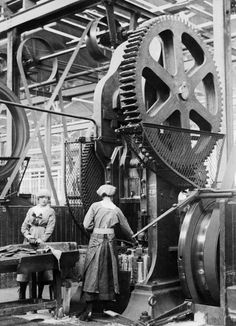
97,40
34,55
198,253
20,131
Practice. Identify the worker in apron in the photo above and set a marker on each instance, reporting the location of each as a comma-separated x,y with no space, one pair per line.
37,228
100,278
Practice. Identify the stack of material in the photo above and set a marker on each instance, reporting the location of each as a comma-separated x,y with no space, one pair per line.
16,251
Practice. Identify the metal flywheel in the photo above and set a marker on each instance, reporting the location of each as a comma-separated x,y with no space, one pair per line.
198,252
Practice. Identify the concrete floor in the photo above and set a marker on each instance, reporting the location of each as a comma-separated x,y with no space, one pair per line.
44,318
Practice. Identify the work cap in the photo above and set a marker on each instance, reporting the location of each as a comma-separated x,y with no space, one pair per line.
108,190
44,193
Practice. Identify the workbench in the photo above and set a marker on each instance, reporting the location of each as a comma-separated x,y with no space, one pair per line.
33,263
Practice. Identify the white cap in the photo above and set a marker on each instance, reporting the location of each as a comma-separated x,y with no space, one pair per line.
106,189
44,193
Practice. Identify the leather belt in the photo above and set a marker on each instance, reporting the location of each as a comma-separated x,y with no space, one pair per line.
103,230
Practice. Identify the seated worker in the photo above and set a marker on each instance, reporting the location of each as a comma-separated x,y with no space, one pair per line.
37,228
100,279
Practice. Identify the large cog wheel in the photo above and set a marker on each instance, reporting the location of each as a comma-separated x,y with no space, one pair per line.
168,78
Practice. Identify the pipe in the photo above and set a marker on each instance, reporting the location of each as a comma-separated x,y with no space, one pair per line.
51,112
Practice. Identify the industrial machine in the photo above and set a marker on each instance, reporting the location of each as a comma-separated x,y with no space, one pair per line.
158,112
156,135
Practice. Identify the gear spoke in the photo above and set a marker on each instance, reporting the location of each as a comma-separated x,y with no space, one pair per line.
159,71
203,116
178,49
160,113
185,121
200,73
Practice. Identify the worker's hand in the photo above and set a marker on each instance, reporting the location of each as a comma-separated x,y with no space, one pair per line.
32,240
39,241
135,242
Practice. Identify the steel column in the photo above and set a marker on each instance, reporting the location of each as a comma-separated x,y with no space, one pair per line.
222,55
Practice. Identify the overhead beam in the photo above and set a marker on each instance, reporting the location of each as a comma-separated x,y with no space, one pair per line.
208,6
144,8
44,13
201,12
174,8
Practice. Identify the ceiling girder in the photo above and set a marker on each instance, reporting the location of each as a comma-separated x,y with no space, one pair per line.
44,13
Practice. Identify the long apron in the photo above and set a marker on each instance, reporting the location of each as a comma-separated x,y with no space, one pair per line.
101,268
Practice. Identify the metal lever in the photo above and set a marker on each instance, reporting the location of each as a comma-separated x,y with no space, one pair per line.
200,194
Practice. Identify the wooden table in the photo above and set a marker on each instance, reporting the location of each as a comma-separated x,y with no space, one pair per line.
33,264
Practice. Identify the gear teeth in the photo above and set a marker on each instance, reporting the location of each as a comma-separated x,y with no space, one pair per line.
133,119
131,113
127,73
127,93
130,55
129,90
127,66
150,22
128,61
127,79
130,100
132,47
137,38
137,32
131,107
140,30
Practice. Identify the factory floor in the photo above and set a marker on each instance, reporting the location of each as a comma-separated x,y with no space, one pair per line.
45,318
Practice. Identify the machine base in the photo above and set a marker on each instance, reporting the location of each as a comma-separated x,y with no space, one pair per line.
155,299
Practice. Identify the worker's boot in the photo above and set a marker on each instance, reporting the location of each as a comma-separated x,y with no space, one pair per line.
87,314
22,290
